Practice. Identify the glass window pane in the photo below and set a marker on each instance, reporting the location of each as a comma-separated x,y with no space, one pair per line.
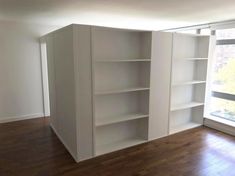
225,34
223,77
222,108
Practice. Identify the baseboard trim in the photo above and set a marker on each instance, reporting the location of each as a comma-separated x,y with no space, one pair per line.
219,126
64,143
19,118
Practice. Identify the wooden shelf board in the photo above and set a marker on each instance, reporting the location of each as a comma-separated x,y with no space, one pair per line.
118,119
118,145
184,127
124,60
186,106
188,82
115,91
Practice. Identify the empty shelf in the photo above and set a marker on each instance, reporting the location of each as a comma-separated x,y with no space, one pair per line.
124,60
120,90
188,83
186,105
194,35
183,127
118,145
117,119
196,58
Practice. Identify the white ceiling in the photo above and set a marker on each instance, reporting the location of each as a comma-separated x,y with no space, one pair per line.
142,14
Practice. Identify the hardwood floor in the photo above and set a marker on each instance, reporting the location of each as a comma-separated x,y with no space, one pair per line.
30,148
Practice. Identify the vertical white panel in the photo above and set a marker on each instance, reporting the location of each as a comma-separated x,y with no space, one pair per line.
160,84
65,87
83,77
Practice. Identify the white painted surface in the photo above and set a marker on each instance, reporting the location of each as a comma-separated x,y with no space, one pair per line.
65,87
160,84
69,71
83,88
148,14
20,70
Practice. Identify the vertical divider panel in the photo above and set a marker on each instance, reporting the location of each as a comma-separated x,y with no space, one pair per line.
93,90
160,84
83,87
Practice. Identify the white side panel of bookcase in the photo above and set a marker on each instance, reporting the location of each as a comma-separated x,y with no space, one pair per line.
83,86
160,84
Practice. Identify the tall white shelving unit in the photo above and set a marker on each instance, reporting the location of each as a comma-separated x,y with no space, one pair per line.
121,65
188,81
115,88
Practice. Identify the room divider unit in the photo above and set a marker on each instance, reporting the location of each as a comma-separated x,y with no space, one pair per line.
115,88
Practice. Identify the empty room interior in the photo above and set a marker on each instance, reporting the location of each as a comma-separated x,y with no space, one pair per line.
117,88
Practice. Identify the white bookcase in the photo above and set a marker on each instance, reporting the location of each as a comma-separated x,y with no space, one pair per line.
115,88
188,81
121,64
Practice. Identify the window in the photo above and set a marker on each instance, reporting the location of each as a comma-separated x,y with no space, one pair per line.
222,101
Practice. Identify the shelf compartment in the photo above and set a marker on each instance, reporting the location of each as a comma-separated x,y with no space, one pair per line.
190,47
110,44
120,135
183,127
187,96
124,60
121,118
112,105
117,77
186,70
104,92
188,83
107,148
186,106
186,119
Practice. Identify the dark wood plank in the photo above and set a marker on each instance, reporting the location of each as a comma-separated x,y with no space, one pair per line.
30,148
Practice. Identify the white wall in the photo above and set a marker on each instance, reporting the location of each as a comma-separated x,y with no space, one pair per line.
20,70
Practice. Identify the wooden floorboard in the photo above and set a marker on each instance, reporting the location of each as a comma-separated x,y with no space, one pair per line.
30,148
